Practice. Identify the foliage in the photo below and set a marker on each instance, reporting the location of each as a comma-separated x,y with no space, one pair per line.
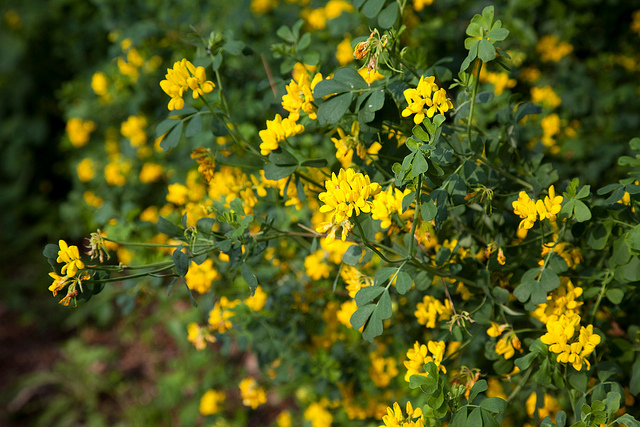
445,219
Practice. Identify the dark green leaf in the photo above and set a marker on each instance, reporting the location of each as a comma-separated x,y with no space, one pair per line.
165,126
526,109
193,301
459,419
407,200
276,172
615,295
51,251
373,329
285,34
329,87
205,225
403,282
315,163
282,157
352,255
368,294
581,211
634,383
375,101
632,239
383,275
488,419
428,208
181,262
173,138
249,277
420,164
351,78
475,418
372,8
383,309
524,362
332,110
359,318
169,228
479,387
194,127
598,235
442,255
388,16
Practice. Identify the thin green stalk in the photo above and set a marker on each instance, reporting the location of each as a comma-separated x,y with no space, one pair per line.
133,276
473,102
415,215
373,248
405,64
521,384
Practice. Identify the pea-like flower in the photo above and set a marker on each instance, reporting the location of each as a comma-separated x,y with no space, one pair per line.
425,100
182,77
71,257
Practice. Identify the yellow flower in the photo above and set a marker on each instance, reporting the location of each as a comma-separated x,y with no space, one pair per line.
549,409
370,76
115,172
560,339
210,402
347,309
316,266
431,310
425,100
252,394
552,49
500,81
200,277
299,96
260,7
221,313
78,131
71,257
508,344
59,282
318,415
418,356
181,78
258,300
198,336
133,129
545,96
526,209
387,203
277,130
551,205
496,330
418,5
395,417
550,127
344,53
151,172
100,85
92,200
86,170
334,8
382,370
284,419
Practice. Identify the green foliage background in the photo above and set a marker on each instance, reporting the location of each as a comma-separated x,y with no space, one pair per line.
78,370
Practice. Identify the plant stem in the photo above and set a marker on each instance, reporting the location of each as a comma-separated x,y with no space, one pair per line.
473,102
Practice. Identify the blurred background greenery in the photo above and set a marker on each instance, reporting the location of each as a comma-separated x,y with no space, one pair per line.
92,366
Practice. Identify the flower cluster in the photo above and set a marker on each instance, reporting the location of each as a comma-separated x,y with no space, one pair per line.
70,256
346,144
530,211
509,343
570,349
79,130
347,193
425,100
277,131
551,49
210,402
182,77
419,355
395,417
431,310
252,394
299,96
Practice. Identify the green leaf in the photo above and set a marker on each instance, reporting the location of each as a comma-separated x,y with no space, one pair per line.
442,255
169,228
285,34
360,316
479,387
384,309
473,54
205,225
388,16
165,126
487,14
612,403
375,100
276,172
173,138
526,109
459,419
632,239
488,419
403,282
352,255
332,110
494,404
367,294
351,78
407,200
634,383
236,206
581,211
628,421
615,295
598,235
525,361
193,301
194,127
51,251
420,164
249,277
181,262
373,329
474,30
329,87
579,382
416,381
475,418
497,34
315,163
486,51
383,275
372,8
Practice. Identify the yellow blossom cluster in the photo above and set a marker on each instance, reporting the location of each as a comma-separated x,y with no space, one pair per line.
86,170
70,256
260,7
199,336
206,164
382,369
79,130
354,279
346,144
421,354
221,314
431,310
210,402
252,394
529,210
561,339
551,49
151,172
545,96
100,85
116,171
550,128
396,418
344,52
500,81
316,266
316,19
134,130
509,343
347,309
200,277
425,100
182,77
318,415
563,300
277,131
418,5
347,193
387,203
299,96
